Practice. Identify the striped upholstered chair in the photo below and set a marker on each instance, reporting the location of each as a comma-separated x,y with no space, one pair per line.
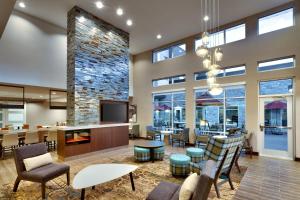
216,150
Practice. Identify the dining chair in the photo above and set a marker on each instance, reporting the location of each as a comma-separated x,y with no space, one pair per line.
31,138
181,137
51,139
135,131
9,143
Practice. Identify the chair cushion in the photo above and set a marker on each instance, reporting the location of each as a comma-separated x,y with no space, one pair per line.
37,161
198,167
188,187
141,150
164,190
45,173
179,159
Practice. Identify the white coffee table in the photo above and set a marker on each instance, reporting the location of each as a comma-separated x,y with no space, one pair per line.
101,173
166,136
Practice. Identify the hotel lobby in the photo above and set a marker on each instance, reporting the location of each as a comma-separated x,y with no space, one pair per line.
155,100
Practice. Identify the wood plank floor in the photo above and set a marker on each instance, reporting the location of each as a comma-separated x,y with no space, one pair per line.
266,178
270,179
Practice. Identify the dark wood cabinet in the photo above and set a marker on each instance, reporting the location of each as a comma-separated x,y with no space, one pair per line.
100,138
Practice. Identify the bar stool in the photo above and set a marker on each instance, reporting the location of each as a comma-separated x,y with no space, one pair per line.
51,139
9,143
31,138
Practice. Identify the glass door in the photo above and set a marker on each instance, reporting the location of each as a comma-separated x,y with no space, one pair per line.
276,127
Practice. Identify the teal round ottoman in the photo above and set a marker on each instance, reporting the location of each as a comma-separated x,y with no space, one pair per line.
159,153
180,164
196,154
141,154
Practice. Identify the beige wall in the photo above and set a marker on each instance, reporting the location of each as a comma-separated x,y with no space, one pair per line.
40,114
254,48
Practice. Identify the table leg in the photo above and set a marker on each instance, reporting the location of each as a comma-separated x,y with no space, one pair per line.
152,154
82,194
131,180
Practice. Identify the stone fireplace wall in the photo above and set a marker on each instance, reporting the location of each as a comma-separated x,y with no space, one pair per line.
98,66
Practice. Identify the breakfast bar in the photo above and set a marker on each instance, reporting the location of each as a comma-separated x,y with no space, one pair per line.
77,140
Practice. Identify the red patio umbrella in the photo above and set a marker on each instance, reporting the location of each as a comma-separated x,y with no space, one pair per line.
276,105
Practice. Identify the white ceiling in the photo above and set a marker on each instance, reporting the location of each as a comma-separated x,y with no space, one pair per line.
174,19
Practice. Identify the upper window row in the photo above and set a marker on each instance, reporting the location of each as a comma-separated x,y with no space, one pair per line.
229,71
168,81
225,36
170,52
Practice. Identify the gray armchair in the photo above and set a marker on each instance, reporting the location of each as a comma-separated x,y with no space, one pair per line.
41,174
182,137
135,131
153,133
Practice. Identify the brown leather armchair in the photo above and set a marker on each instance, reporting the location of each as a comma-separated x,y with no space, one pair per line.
41,174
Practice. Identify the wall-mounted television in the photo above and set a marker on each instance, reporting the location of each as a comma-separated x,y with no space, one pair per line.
113,111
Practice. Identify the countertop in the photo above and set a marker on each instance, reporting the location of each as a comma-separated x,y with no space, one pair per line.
71,128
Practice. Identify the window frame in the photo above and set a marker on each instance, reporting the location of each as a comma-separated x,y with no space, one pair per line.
274,13
224,72
169,48
276,59
171,79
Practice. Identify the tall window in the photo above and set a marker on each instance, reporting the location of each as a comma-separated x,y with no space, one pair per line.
220,113
170,52
276,21
169,110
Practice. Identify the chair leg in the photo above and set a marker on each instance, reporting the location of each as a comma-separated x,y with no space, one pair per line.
68,178
16,185
43,185
237,166
230,182
217,189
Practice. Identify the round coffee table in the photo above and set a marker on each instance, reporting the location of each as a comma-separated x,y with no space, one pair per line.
151,145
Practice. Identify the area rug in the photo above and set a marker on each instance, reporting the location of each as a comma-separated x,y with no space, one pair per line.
146,177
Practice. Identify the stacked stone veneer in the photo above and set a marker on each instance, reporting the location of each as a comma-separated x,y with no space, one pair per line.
98,66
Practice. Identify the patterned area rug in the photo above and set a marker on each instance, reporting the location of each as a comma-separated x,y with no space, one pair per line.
146,177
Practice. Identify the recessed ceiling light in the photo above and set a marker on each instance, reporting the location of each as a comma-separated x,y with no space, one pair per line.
129,22
206,18
81,19
159,36
99,4
22,4
120,11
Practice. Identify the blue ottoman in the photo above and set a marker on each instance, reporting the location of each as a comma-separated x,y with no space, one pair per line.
196,154
141,154
159,153
180,164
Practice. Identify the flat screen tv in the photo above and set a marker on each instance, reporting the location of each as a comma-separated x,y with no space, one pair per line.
113,112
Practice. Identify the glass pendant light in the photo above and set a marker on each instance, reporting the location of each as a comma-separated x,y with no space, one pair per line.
214,67
218,54
207,62
211,80
205,38
215,90
201,51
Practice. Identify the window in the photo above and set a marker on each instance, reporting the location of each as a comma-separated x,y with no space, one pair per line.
283,86
276,21
169,110
228,71
170,52
1,118
235,33
220,113
284,63
168,81
215,39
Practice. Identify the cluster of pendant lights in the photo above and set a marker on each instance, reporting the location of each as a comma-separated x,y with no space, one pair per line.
211,56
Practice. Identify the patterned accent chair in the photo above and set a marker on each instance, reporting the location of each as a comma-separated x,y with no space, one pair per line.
182,137
201,139
153,133
215,150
